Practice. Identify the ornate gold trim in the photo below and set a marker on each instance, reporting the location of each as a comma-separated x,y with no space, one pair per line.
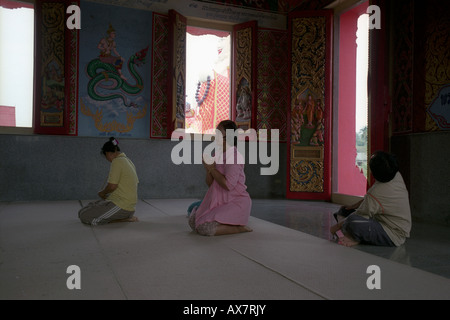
52,119
306,153
112,125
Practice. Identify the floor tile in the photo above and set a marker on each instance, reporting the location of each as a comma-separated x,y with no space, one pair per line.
428,247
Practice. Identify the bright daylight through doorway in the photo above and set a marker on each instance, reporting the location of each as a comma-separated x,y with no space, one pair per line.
207,78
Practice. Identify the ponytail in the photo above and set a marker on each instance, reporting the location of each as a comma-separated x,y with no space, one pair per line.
111,146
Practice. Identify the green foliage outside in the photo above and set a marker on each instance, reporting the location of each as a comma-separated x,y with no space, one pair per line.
361,149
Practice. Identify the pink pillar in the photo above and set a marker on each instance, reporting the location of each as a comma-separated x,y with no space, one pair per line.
350,179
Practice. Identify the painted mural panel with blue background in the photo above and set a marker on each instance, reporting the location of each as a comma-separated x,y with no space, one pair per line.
114,71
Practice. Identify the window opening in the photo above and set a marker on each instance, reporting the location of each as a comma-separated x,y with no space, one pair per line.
208,59
362,68
351,144
16,63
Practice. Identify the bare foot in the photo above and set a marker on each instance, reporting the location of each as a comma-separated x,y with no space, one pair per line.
223,229
347,241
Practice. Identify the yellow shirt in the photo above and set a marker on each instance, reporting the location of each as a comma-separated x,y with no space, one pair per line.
123,173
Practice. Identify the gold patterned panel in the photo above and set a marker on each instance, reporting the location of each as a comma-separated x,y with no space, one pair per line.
437,55
306,176
308,55
177,66
53,36
307,153
243,75
307,91
244,55
52,119
180,69
52,71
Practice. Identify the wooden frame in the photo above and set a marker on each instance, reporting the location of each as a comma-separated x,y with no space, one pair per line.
176,71
244,71
63,122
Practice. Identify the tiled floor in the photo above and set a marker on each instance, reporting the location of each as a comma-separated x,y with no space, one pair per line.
428,248
161,258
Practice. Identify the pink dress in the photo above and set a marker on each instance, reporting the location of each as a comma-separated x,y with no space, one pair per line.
231,206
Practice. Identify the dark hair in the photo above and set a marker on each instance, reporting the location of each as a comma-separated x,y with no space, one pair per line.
229,125
384,166
111,146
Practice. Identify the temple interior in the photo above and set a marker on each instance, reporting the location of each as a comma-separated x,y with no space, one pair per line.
316,87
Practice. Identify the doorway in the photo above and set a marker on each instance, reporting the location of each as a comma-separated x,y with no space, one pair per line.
208,59
351,119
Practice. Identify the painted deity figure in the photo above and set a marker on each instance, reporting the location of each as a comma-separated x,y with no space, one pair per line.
243,106
108,51
310,108
297,119
307,114
317,138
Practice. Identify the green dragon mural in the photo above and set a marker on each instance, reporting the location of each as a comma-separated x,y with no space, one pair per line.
106,76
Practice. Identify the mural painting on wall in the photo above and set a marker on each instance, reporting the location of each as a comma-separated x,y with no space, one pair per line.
437,71
115,71
244,101
439,109
307,126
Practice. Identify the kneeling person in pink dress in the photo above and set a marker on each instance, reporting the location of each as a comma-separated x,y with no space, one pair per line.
226,206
